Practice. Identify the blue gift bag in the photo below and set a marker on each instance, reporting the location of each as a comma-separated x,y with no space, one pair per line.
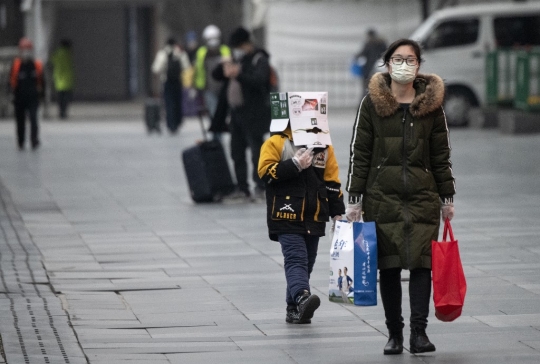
357,70
353,264
365,263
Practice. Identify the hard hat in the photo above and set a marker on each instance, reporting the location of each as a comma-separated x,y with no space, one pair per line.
211,32
25,43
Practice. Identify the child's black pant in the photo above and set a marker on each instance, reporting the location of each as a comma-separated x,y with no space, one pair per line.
299,253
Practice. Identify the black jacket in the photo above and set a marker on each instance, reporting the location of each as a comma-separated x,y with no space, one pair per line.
299,202
255,81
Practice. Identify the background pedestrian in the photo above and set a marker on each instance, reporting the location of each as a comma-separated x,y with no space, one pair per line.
369,55
248,85
63,76
169,64
208,57
27,86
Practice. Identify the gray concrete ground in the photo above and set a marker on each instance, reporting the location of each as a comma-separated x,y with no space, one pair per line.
105,259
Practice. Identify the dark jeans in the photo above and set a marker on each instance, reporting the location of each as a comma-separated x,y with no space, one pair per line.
64,98
30,106
241,139
172,93
419,292
299,254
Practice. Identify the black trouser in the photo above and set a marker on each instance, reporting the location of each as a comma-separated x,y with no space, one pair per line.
241,138
419,292
22,106
64,98
172,93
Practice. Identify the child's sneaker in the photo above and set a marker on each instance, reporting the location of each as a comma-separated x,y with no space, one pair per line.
292,315
307,304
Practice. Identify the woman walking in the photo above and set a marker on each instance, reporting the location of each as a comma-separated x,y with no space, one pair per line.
400,176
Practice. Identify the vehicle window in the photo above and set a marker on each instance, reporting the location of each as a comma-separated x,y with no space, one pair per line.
517,30
453,33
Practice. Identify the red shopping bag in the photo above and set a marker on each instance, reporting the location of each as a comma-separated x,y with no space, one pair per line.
449,285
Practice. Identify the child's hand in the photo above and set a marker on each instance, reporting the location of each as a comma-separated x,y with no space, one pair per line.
303,158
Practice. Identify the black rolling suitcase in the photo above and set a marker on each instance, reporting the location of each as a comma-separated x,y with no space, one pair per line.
207,170
152,115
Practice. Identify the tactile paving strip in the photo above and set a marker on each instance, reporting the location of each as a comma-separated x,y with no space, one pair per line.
35,328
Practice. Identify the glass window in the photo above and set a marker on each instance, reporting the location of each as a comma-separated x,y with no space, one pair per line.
521,30
453,33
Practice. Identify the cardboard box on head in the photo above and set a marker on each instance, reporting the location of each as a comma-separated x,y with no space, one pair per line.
307,112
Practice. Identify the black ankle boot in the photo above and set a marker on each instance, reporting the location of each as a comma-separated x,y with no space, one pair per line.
395,343
420,342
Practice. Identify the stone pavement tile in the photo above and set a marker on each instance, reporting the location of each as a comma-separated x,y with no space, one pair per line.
130,249
71,259
219,249
354,354
526,320
534,288
225,280
90,333
195,237
184,321
71,250
181,319
35,359
123,358
102,314
264,356
158,348
168,263
32,348
66,265
481,358
338,342
316,328
533,344
243,329
108,274
474,348
84,285
235,264
108,285
496,305
133,257
196,296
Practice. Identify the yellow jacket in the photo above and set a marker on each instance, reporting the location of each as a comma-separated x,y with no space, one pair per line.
200,69
299,202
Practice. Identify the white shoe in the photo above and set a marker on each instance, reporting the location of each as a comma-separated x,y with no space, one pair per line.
259,195
237,197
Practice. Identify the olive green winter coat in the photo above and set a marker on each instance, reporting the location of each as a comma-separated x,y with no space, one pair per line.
400,163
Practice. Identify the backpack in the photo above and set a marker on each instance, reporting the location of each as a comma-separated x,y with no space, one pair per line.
273,80
173,68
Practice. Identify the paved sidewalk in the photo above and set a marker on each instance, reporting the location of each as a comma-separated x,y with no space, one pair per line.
142,275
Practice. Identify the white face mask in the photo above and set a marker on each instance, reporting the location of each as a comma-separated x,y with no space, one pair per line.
238,54
213,42
403,73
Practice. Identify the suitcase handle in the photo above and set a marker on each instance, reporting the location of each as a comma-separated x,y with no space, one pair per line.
202,112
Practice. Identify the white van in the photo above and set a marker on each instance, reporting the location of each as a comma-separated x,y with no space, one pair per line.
455,42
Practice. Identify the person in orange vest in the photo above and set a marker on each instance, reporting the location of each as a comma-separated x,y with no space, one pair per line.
26,84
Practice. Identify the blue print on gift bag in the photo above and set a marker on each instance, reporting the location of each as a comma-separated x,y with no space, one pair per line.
365,264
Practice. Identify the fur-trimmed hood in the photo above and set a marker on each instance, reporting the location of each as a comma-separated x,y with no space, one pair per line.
429,94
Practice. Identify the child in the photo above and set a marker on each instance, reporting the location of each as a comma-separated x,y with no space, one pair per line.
302,192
